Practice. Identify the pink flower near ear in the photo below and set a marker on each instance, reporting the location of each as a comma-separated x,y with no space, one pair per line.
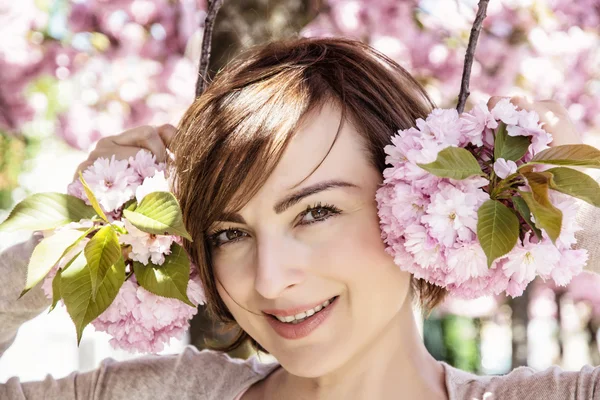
506,112
445,125
529,125
429,223
466,262
504,168
570,265
452,214
475,122
527,260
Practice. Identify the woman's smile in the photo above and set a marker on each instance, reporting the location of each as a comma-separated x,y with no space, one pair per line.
294,324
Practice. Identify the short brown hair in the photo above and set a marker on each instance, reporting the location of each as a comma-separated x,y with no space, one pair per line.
233,136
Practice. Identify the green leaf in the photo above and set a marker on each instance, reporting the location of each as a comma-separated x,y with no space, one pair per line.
55,289
169,279
76,290
45,256
523,209
92,198
576,184
131,205
539,182
101,253
581,155
454,163
44,211
509,147
159,214
497,229
547,217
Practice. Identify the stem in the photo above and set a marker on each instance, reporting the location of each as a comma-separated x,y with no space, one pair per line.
475,29
209,26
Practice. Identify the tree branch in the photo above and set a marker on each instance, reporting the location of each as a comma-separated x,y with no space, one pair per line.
209,25
475,29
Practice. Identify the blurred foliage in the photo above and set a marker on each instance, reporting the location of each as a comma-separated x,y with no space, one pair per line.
12,157
454,339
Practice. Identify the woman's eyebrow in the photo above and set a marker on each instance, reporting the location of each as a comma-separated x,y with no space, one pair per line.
295,198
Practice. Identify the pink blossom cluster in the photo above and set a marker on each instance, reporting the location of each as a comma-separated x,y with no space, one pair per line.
429,223
137,320
141,321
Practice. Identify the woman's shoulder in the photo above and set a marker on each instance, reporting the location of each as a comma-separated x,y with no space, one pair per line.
205,374
212,373
525,383
223,367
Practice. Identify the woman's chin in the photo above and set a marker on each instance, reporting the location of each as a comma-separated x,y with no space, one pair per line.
311,361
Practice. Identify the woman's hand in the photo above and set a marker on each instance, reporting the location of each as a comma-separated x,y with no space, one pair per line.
554,116
128,143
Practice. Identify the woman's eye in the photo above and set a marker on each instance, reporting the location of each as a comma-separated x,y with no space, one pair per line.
318,213
227,236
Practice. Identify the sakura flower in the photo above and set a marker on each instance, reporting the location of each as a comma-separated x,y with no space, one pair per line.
404,141
157,183
528,125
409,204
445,126
112,181
475,122
452,214
424,248
568,206
146,247
75,188
504,168
466,262
570,265
144,164
506,112
528,259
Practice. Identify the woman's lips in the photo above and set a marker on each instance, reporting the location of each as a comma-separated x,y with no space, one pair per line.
301,329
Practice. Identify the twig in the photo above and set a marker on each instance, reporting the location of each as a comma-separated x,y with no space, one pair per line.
475,29
209,25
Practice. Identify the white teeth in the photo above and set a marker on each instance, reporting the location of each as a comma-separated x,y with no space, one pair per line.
294,319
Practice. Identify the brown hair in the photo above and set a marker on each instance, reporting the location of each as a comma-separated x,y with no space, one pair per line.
232,137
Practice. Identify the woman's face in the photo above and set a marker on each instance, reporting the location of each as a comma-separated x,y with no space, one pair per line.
302,241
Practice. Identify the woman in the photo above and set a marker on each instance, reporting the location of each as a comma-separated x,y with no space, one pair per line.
277,165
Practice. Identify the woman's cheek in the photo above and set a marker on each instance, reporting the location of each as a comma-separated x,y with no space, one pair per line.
232,264
347,238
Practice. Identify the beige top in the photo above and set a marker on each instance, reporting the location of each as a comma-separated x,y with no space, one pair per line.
204,375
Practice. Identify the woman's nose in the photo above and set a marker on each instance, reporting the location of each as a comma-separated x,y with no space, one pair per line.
280,265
